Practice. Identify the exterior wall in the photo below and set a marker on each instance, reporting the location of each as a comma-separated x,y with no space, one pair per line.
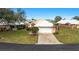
45,30
72,26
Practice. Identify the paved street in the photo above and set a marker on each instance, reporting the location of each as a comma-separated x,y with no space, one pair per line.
47,39
29,47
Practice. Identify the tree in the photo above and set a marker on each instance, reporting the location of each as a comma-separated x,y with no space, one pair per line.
76,17
33,19
6,14
10,16
57,18
20,15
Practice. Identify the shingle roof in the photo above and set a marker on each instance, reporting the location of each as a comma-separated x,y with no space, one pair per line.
68,21
43,23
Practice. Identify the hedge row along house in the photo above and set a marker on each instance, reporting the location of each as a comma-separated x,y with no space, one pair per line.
69,23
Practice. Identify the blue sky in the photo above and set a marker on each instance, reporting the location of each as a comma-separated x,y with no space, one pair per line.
50,13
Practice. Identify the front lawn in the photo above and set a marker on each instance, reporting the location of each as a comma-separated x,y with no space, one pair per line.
18,37
68,36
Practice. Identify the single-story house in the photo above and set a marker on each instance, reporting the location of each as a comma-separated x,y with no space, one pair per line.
44,26
69,23
4,25
17,25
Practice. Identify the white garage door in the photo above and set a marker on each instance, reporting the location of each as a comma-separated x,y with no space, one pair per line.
45,30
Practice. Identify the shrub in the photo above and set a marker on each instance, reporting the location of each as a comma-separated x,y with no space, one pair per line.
34,29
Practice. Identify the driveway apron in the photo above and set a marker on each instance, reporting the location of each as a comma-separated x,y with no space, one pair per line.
49,38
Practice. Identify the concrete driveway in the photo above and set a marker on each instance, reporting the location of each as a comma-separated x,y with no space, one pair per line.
44,38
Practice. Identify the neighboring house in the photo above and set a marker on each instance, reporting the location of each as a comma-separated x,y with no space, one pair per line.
4,25
44,26
69,23
18,25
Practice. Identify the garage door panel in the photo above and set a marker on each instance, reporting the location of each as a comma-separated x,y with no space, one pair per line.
45,30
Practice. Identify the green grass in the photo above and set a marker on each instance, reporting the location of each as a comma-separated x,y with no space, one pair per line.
18,37
68,36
